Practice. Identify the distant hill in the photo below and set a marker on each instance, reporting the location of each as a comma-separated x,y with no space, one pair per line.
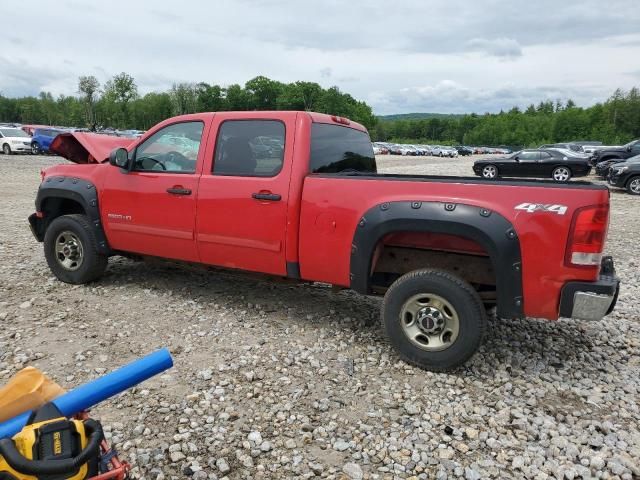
416,116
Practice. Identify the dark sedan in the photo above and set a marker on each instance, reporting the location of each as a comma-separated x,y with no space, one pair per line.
541,163
626,175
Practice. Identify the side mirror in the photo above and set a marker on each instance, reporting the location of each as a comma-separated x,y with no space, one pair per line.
629,148
119,158
516,158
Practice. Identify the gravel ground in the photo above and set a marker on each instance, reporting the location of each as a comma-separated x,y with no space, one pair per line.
281,380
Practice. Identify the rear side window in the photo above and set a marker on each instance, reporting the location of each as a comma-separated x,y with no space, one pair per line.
249,148
336,149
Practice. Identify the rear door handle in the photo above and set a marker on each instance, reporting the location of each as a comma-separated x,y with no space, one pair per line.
179,191
272,197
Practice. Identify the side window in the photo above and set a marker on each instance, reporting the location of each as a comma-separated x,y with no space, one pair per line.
173,148
249,148
636,147
545,155
528,156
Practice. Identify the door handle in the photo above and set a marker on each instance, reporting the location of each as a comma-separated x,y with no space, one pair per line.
272,197
179,190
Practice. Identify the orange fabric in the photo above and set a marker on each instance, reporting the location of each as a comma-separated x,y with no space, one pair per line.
26,390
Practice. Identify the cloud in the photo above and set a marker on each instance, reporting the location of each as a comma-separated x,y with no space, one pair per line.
441,55
499,47
449,96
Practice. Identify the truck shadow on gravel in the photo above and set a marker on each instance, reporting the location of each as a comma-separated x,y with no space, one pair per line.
525,346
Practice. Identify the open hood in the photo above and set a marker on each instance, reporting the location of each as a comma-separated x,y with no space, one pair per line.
81,147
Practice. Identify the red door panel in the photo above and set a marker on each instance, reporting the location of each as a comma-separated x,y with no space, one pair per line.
140,216
242,220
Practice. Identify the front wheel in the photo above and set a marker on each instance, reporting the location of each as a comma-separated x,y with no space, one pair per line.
6,149
490,172
35,148
71,250
433,319
633,186
561,174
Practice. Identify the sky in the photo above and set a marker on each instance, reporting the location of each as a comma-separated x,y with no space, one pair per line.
442,56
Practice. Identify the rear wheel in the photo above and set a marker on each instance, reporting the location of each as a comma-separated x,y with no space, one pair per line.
433,319
490,171
633,185
561,174
6,149
71,250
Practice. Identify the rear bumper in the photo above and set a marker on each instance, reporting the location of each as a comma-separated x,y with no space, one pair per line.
591,300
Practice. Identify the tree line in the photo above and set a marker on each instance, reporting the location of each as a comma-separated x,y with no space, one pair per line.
615,121
118,104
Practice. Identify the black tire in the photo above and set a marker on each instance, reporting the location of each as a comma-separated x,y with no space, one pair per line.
35,148
459,294
633,185
93,264
6,149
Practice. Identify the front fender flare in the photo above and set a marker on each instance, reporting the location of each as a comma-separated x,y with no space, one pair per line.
488,228
81,191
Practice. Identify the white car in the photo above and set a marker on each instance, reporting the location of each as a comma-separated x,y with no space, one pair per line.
14,140
436,151
449,152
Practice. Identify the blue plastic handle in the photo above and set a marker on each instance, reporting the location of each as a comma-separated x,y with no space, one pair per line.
92,393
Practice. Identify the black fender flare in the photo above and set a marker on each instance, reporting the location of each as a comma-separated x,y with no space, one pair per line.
81,191
488,228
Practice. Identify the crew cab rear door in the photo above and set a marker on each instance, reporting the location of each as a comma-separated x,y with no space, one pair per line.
151,209
244,190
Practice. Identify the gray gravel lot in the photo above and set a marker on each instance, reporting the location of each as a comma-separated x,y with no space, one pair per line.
281,380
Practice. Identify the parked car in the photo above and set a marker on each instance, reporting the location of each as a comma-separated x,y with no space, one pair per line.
449,152
464,151
42,138
429,244
626,175
565,146
619,154
14,140
533,163
437,151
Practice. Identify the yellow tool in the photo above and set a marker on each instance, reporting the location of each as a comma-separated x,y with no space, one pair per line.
52,447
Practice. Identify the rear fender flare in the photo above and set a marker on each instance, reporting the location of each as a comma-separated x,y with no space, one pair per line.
488,228
80,191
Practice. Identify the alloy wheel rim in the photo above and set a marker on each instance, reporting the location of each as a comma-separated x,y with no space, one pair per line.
635,185
429,322
69,251
561,174
489,172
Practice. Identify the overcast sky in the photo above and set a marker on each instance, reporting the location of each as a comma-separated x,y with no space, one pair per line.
448,56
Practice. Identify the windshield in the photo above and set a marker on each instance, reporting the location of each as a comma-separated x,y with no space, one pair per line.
13,132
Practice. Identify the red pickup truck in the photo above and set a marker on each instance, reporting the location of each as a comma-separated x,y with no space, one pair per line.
296,194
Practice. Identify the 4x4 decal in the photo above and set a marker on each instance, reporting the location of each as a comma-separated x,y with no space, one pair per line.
542,207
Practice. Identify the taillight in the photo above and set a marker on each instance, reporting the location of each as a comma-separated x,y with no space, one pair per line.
587,236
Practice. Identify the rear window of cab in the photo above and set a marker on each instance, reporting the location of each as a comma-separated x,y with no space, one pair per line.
338,149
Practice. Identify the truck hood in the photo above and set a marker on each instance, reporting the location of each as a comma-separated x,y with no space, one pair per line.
81,147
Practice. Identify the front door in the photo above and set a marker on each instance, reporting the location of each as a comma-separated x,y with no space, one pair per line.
527,163
151,209
244,190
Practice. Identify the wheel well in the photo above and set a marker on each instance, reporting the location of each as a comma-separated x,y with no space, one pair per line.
631,177
55,207
399,253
